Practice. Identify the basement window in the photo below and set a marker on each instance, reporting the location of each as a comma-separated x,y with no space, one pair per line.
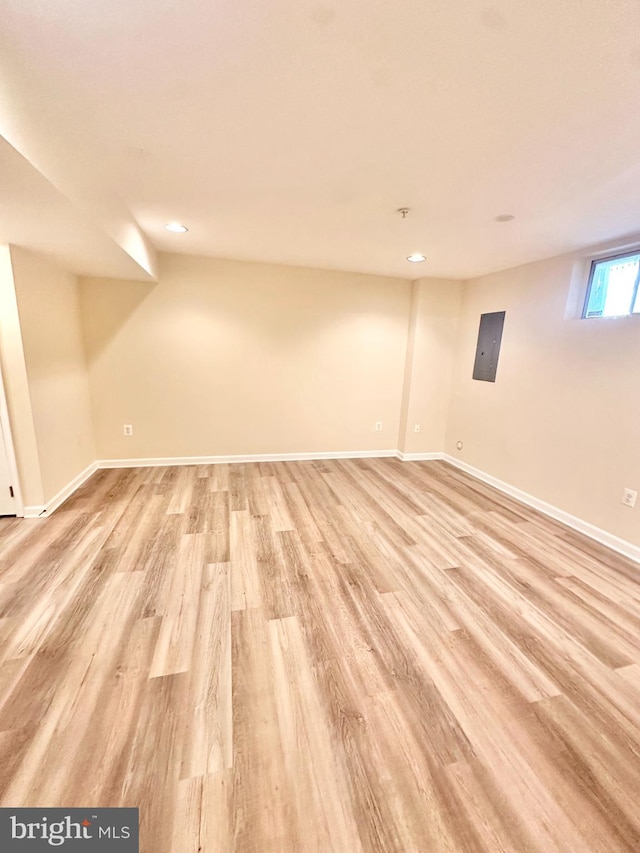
613,287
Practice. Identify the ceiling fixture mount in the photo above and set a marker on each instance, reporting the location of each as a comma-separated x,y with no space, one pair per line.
414,257
505,217
176,228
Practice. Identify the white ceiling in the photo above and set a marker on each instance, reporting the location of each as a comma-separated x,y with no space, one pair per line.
290,131
34,214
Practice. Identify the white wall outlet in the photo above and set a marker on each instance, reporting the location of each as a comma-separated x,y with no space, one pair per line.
416,427
629,497
127,429
378,426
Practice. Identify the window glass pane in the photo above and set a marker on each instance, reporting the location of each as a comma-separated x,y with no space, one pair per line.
613,287
597,292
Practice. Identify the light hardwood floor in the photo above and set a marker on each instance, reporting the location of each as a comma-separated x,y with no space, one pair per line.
321,656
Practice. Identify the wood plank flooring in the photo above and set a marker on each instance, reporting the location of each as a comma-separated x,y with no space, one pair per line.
309,657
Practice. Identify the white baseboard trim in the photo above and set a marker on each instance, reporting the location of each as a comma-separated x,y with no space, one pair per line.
164,461
35,511
621,546
43,510
418,457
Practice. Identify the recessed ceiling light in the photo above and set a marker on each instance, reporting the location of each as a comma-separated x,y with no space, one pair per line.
176,228
416,258
505,217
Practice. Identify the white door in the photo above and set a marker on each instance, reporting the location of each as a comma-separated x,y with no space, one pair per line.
7,499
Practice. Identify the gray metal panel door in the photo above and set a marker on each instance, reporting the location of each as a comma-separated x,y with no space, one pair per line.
488,349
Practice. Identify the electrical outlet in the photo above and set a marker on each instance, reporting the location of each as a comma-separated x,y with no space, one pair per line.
378,426
416,427
127,429
629,497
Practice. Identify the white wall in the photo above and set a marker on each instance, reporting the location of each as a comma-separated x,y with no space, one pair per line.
49,311
433,326
225,357
562,421
16,386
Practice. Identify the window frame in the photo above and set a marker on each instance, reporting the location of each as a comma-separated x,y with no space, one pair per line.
629,253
